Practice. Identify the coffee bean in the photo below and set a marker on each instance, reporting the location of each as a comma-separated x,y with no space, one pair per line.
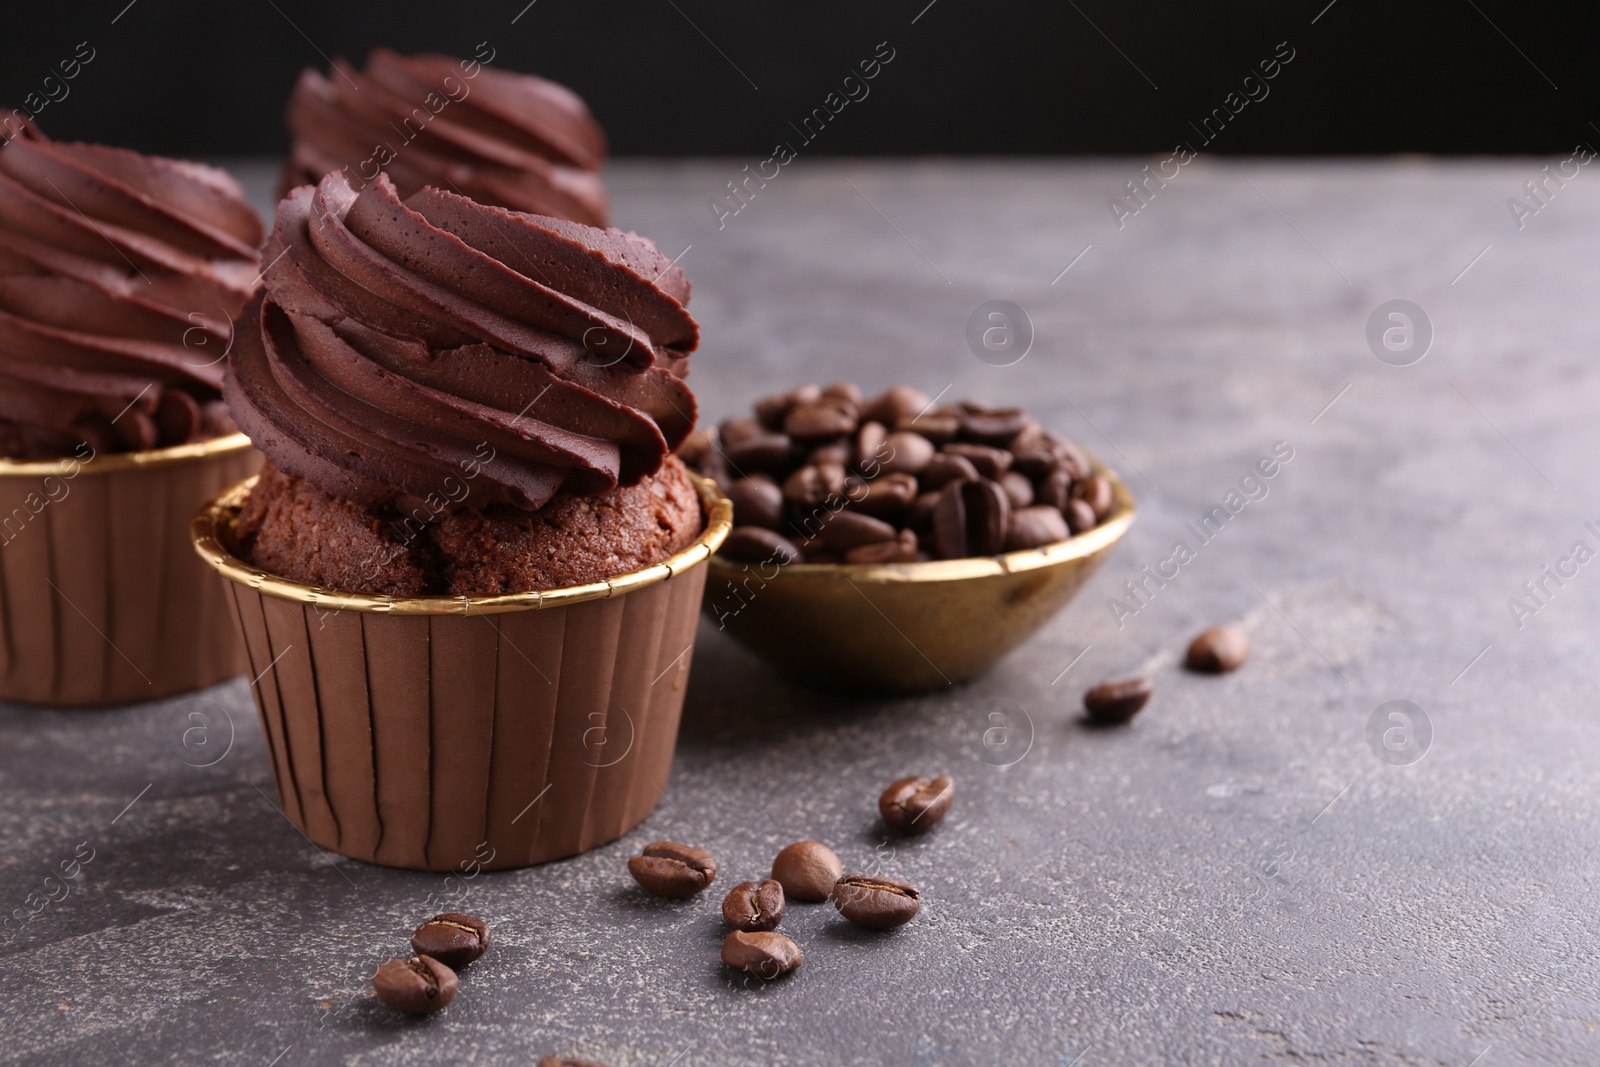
844,391
772,409
1080,516
906,453
807,871
1055,489
1070,456
1218,650
568,1061
989,462
902,549
1117,702
876,902
418,986
950,524
894,404
757,501
669,869
993,427
1034,461
886,497
936,426
1019,490
920,517
1035,527
758,452
763,954
714,464
970,520
944,469
820,421
757,544
915,805
695,448
732,431
849,529
1096,492
870,451
811,548
813,485
840,452
1030,437
453,939
752,906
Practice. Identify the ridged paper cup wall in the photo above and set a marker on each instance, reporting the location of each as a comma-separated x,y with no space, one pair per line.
432,732
101,598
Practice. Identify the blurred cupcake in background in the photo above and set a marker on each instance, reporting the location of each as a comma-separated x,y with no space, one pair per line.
121,276
497,137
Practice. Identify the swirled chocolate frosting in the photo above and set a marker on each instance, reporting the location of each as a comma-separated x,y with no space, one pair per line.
512,140
121,276
435,353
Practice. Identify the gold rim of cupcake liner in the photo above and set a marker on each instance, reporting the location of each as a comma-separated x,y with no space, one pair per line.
219,515
1078,546
107,462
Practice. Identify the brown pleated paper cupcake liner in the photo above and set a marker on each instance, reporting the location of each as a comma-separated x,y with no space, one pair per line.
439,732
101,598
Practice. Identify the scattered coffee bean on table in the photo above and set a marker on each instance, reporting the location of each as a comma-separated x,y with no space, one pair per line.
753,906
1218,650
763,954
807,871
418,986
669,869
1117,702
453,939
875,902
915,805
827,477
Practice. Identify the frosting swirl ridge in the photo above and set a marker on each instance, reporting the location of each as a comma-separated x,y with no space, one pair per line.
436,353
513,140
121,276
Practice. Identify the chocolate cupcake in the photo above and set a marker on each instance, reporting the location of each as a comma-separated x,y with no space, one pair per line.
121,276
501,138
472,561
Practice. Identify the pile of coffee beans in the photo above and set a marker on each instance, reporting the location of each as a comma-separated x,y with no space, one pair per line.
821,475
807,871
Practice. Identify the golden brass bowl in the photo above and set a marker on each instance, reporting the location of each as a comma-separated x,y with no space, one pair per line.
905,627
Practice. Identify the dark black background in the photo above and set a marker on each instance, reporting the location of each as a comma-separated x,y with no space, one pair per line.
209,77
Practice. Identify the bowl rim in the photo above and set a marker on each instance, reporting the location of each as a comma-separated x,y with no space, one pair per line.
109,462
220,513
1079,546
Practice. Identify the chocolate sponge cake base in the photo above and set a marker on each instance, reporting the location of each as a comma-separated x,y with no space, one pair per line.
292,528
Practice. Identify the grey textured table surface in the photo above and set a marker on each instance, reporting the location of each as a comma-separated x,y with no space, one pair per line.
1236,878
